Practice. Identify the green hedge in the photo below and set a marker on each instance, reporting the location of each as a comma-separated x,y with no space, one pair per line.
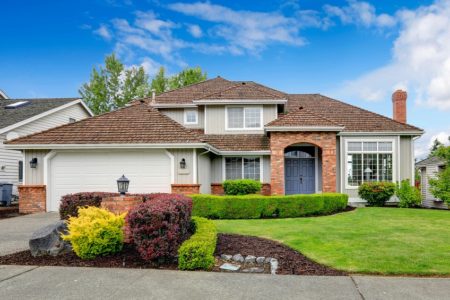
241,187
198,251
257,206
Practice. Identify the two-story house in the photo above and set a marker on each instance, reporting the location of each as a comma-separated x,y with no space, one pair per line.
192,139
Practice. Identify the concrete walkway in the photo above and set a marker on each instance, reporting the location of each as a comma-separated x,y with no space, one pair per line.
20,282
15,232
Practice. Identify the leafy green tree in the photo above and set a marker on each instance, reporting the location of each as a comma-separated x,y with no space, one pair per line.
112,86
160,83
434,147
186,77
440,186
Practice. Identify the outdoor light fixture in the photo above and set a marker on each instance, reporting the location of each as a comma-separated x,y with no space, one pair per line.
183,164
122,184
33,163
368,171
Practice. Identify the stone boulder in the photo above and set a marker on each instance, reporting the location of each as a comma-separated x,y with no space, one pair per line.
48,241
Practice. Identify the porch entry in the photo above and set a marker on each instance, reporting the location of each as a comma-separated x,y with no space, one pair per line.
300,170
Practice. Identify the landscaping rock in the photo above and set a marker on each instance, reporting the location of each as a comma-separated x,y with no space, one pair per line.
226,267
273,266
48,241
226,257
253,270
250,259
238,258
260,260
267,260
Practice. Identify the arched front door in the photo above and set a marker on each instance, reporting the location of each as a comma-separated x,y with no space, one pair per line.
299,170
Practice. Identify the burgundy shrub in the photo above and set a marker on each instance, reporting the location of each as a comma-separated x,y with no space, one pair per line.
70,203
158,227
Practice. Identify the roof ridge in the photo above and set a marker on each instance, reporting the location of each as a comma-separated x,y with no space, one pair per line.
237,85
363,109
57,98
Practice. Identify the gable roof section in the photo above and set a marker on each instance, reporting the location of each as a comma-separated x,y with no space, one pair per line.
353,118
238,142
303,119
244,90
34,107
437,161
137,124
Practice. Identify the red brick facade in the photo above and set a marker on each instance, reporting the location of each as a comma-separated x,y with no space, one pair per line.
217,189
325,140
399,106
32,198
119,205
186,189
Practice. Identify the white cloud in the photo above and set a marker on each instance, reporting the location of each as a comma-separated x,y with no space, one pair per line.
150,66
424,143
420,60
103,31
360,13
195,30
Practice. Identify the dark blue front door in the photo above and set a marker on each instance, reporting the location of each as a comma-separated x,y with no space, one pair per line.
299,176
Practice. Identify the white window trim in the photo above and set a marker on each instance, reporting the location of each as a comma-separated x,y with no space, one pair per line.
261,166
394,152
185,116
261,127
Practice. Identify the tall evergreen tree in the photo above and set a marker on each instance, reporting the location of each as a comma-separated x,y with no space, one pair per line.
434,148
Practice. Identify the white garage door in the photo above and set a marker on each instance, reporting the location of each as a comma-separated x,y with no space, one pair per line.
97,171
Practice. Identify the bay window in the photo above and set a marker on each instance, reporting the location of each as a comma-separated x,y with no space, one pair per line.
244,118
369,161
243,168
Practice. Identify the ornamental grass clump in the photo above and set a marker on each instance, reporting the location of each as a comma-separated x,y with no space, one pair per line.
376,193
95,232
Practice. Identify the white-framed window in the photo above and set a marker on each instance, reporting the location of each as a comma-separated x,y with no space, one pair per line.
190,116
243,168
243,118
369,161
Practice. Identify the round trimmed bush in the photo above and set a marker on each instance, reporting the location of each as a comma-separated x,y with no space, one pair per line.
376,193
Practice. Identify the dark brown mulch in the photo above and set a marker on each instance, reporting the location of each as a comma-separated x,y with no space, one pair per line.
127,258
9,211
290,261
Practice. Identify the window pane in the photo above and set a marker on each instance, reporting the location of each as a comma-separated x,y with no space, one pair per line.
233,168
235,117
354,169
370,146
253,117
252,168
385,167
370,167
20,170
354,146
191,116
385,146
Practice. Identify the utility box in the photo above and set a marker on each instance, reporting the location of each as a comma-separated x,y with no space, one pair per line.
5,193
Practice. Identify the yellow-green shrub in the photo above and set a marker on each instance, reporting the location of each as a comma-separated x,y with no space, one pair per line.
198,251
95,232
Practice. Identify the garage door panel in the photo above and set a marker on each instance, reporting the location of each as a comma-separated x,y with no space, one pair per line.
89,171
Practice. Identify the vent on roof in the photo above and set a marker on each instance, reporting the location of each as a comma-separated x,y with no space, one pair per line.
17,104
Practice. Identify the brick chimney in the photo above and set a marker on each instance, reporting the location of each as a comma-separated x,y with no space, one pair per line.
399,106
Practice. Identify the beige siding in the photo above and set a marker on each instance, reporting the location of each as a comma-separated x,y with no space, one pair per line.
34,176
177,114
428,200
266,169
215,120
183,176
10,158
406,158
204,172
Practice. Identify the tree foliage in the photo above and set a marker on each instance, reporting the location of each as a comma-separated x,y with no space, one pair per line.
162,83
434,148
440,186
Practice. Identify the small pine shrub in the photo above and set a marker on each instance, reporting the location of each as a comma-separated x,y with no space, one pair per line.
408,196
241,187
376,193
198,251
158,227
95,232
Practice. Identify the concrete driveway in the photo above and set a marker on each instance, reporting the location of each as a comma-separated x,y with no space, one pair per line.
28,282
15,232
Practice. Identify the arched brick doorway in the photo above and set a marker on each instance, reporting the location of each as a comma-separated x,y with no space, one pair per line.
279,141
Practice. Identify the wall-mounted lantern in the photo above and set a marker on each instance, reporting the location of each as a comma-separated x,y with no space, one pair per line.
33,162
183,164
122,184
367,172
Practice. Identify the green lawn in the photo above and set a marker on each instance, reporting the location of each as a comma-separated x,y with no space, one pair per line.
366,240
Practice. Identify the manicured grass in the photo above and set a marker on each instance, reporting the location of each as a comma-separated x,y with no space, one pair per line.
366,240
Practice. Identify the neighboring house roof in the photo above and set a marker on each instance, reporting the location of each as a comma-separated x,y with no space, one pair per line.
238,142
354,119
10,116
137,124
302,119
430,161
3,95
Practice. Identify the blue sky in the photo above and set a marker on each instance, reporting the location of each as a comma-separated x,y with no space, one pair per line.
355,51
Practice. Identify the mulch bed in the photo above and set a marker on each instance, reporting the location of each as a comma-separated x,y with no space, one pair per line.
290,261
127,258
9,211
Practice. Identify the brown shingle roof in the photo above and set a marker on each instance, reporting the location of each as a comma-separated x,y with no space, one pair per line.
137,124
301,117
353,118
244,90
238,142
